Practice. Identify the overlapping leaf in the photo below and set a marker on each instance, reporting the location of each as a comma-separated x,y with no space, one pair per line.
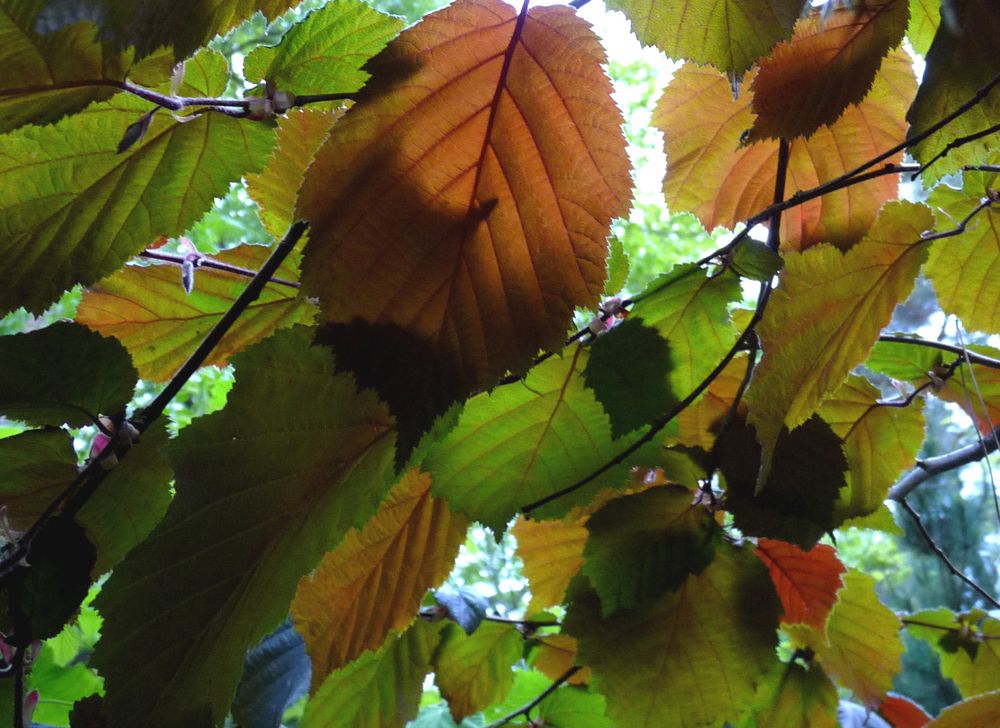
323,53
699,424
264,488
565,707
653,663
807,582
981,710
796,697
372,583
828,64
478,174
552,552
729,34
35,466
148,310
556,655
901,712
474,671
826,314
72,209
968,645
925,16
380,689
711,174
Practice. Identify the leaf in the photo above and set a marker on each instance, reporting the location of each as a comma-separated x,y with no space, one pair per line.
556,655
826,314
754,259
795,500
731,34
964,269
618,266
653,663
84,375
829,64
981,710
474,671
73,210
699,424
478,173
643,545
807,582
130,502
264,488
300,132
372,583
552,552
902,712
796,697
862,650
711,174
880,443
464,606
35,467
160,324
565,707
323,52
59,687
515,445
275,674
963,58
968,645
925,16
380,689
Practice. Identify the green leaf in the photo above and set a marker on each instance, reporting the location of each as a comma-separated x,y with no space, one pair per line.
794,697
73,210
324,52
35,467
63,374
474,671
566,707
653,664
729,34
618,266
59,686
264,488
380,689
925,16
755,260
643,545
968,645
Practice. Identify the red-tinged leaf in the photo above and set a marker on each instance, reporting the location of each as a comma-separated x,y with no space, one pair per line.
826,314
372,583
474,671
147,309
556,655
982,710
807,582
828,64
552,552
712,175
901,712
478,175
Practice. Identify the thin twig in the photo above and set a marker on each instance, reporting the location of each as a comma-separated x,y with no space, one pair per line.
932,544
972,356
955,144
206,262
528,707
945,628
908,399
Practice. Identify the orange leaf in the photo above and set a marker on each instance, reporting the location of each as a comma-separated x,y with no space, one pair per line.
806,581
902,712
372,583
699,423
557,654
710,174
829,63
461,207
552,552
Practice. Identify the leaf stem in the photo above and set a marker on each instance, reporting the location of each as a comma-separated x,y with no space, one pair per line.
529,706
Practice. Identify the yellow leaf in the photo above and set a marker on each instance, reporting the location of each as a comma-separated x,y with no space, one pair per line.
982,710
557,654
552,552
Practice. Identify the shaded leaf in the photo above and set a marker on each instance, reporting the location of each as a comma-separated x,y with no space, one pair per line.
35,466
729,34
901,712
807,582
264,488
556,654
73,210
795,697
478,173
372,583
85,375
653,663
826,314
980,710
474,671
323,52
465,606
829,63
380,689
643,545
161,324
275,674
968,645
552,552
711,174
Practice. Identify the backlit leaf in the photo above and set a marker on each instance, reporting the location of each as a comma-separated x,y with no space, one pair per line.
643,545
35,466
85,375
474,671
925,16
653,664
981,710
901,712
828,64
968,645
323,53
794,697
729,34
147,309
826,314
380,689
552,552
372,583
807,582
699,424
73,210
710,174
264,488
478,174
556,654
565,707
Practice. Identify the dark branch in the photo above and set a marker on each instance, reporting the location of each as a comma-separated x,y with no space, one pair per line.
206,262
528,707
972,356
929,467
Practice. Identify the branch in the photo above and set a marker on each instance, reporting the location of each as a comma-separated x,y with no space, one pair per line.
929,467
527,707
202,261
972,356
955,144
944,557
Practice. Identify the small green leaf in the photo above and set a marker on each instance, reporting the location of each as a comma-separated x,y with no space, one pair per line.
755,260
618,266
474,671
